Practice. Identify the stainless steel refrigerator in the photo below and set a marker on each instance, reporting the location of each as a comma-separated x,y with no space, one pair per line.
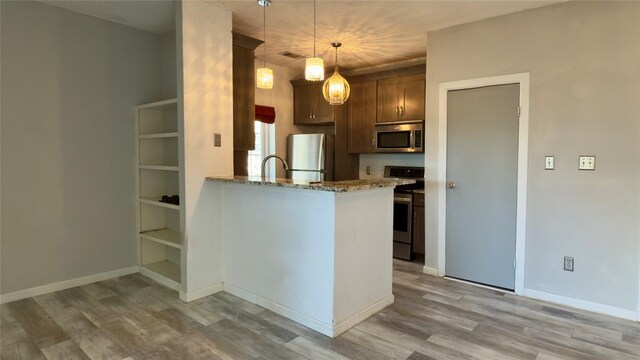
310,157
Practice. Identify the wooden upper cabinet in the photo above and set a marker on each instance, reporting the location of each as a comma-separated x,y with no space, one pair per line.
401,99
362,117
324,112
310,107
243,92
388,109
303,99
412,98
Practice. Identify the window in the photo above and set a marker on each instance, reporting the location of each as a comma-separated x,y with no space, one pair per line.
265,145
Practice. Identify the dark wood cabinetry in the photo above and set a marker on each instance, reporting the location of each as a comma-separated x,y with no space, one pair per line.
418,224
310,107
401,98
394,95
243,100
374,98
346,165
362,117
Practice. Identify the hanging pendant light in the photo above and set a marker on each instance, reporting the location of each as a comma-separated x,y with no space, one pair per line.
314,69
264,75
336,89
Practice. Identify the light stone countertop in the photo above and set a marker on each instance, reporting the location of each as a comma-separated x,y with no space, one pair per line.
331,186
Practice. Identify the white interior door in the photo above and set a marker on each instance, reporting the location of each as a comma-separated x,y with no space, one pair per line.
482,169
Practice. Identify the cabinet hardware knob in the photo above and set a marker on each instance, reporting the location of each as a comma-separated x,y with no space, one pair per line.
451,185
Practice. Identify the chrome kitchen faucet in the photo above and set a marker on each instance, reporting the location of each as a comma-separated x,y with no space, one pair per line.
264,162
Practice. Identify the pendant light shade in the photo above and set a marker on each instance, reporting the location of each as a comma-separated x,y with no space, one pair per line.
336,89
314,67
264,75
264,78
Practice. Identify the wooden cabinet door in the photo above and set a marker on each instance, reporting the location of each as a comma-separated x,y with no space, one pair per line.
388,108
323,113
412,98
310,108
418,224
243,99
304,99
418,230
362,117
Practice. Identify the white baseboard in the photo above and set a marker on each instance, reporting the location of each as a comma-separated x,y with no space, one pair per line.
195,295
583,305
67,284
361,316
241,293
317,325
430,271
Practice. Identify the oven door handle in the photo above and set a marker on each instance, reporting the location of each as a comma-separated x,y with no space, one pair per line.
402,200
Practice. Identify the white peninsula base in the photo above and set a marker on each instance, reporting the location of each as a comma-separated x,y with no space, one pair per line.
320,258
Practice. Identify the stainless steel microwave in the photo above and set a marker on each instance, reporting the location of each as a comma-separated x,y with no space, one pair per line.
401,136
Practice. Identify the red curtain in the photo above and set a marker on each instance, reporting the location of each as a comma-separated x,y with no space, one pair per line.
265,114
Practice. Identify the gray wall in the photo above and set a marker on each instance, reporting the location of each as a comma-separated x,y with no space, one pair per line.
584,60
69,85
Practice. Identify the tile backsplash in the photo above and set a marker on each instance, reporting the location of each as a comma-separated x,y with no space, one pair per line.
379,161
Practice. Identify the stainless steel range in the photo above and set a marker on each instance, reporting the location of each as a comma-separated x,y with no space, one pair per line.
403,209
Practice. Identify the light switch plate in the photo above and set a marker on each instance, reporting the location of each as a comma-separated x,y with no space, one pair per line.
217,140
587,162
568,263
548,163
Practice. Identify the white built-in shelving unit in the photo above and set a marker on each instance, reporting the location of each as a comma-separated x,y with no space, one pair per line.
158,173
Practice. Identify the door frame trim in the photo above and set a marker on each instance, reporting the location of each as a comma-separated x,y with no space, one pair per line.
523,79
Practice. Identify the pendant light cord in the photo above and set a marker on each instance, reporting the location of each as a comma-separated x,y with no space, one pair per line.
314,28
264,36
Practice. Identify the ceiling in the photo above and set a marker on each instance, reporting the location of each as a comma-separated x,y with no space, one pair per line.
372,32
157,16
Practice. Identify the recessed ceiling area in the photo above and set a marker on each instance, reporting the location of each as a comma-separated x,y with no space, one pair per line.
372,32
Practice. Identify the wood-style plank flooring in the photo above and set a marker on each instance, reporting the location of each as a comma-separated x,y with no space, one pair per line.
131,317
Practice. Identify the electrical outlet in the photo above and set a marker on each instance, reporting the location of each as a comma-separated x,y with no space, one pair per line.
369,170
217,140
586,162
568,263
548,163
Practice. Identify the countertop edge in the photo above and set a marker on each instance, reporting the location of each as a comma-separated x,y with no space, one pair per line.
328,186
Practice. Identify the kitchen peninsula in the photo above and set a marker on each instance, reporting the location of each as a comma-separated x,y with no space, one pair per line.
316,253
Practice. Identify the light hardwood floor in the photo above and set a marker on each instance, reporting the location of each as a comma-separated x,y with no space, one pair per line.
131,317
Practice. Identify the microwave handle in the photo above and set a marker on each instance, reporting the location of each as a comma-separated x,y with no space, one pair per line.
412,138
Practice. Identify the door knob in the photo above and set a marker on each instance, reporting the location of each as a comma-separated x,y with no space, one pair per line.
451,185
